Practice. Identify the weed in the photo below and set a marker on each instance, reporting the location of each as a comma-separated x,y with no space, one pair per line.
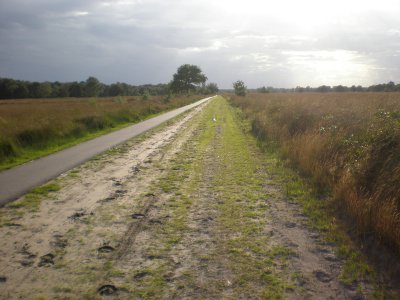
32,200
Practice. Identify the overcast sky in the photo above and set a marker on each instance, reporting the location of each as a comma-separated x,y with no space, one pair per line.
280,43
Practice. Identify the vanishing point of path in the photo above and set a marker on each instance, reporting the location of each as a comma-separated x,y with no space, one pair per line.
186,211
19,180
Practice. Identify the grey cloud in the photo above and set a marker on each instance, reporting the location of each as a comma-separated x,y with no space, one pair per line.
145,41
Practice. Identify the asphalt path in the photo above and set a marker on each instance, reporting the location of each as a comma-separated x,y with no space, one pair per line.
19,180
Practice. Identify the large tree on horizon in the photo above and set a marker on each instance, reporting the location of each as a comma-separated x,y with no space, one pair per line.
187,78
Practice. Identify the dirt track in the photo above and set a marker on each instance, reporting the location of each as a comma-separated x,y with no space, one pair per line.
185,211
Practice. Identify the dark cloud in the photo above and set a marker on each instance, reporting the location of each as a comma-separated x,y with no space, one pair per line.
287,43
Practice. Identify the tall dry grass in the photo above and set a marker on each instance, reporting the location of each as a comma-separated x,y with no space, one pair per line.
39,124
348,143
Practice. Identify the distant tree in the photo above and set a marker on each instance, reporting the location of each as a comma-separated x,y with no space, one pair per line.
93,87
262,89
145,95
187,79
44,90
22,90
323,89
75,89
240,88
116,89
212,88
299,89
390,87
56,89
7,88
340,88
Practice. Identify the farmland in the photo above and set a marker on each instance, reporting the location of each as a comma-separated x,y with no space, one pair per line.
31,128
348,144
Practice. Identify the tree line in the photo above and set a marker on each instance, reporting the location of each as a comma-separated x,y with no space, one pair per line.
188,79
383,87
92,87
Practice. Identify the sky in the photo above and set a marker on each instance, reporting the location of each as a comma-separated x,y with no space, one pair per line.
280,43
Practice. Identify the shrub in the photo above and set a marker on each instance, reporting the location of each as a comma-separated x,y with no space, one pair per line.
7,149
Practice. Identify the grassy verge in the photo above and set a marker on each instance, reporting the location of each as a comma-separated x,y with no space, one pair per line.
260,265
12,212
35,128
321,209
321,214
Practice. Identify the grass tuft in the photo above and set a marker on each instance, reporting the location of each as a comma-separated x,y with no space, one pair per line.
33,199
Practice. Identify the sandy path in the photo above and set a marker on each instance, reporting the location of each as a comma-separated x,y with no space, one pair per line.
92,210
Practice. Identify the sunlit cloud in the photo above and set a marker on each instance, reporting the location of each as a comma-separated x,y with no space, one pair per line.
80,13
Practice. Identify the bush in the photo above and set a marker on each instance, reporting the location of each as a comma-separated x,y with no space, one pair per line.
93,123
7,149
34,137
240,88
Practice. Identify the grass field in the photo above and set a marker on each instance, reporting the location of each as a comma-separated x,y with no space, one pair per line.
349,144
36,127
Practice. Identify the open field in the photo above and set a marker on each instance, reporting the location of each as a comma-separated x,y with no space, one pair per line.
348,143
33,128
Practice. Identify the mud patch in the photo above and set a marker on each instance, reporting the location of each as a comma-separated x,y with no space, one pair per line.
47,260
136,169
138,216
153,257
107,290
59,241
105,249
108,199
120,193
12,225
28,257
290,225
155,222
27,262
331,257
141,275
77,215
117,183
322,276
